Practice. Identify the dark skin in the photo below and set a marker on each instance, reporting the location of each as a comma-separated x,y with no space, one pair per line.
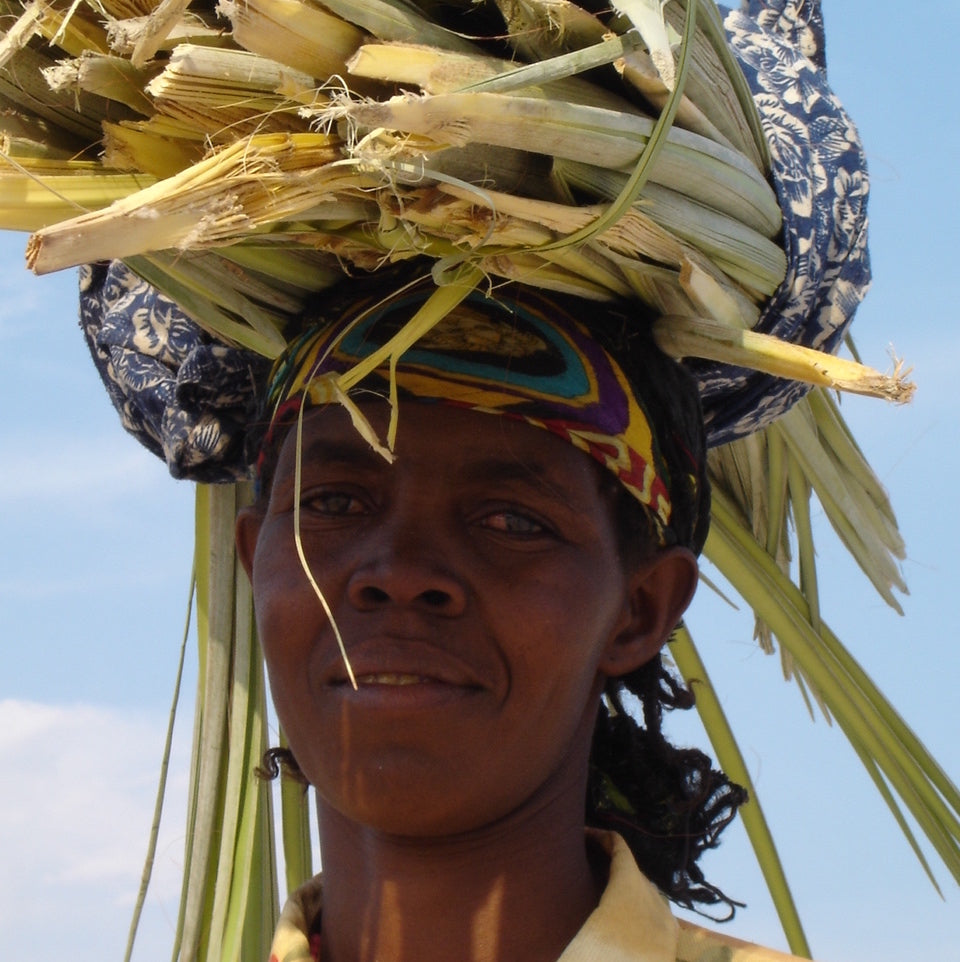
483,602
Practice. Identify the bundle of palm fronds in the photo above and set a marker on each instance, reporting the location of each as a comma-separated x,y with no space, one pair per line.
246,158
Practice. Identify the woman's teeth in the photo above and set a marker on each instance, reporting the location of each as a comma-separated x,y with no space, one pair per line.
391,678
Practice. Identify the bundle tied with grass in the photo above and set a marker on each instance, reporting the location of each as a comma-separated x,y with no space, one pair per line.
228,164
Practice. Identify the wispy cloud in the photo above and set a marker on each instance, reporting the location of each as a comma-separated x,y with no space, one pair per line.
74,820
73,469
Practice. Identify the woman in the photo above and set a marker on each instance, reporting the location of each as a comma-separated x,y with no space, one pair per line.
497,583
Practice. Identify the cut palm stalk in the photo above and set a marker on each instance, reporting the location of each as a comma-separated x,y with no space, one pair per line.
647,17
113,78
12,145
124,33
305,272
431,69
220,308
590,267
127,9
725,303
540,29
505,169
691,667
570,273
637,69
562,69
170,128
500,238
714,93
76,28
327,213
556,27
38,138
227,275
26,26
744,254
400,21
162,19
136,146
634,234
698,337
37,192
251,183
442,71
22,84
717,84
302,35
698,167
231,73
643,168
656,286
227,94
646,161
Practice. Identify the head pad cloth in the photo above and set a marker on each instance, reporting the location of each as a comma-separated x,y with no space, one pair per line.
819,172
524,358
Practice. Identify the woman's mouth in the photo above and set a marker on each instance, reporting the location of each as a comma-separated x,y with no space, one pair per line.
397,679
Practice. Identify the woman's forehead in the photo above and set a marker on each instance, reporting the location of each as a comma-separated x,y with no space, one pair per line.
456,444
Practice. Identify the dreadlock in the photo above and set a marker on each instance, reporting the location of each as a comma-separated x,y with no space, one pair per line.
668,803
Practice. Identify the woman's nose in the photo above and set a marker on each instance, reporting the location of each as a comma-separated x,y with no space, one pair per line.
408,566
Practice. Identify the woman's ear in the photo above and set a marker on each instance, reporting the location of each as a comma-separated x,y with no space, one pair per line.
660,589
247,531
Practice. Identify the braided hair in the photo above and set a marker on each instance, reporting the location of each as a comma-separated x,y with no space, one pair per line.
668,803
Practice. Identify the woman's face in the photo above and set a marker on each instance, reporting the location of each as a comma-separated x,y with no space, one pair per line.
482,601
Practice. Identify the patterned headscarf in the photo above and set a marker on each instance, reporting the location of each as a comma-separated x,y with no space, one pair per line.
523,358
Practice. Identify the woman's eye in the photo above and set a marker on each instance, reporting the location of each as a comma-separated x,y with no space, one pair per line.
513,522
333,503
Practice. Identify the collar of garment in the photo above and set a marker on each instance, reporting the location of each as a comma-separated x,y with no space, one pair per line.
631,923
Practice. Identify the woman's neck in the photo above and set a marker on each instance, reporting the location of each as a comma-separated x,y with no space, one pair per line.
516,890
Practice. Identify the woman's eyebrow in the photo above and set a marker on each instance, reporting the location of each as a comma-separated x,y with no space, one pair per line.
323,451
534,474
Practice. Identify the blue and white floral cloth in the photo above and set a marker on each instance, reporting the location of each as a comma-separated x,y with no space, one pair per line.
184,396
190,399
820,175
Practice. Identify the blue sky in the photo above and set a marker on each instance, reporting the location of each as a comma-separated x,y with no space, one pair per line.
98,540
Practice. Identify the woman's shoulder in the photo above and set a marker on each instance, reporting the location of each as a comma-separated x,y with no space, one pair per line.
634,922
697,944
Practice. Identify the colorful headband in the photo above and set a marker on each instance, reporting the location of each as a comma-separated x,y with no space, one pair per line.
528,360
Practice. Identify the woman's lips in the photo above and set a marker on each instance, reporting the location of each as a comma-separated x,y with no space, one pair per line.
400,662
404,677
403,692
392,678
